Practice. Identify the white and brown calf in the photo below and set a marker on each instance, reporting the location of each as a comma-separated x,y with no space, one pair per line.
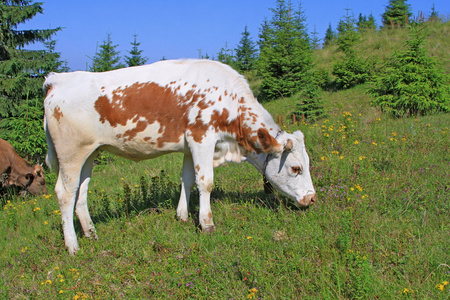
201,108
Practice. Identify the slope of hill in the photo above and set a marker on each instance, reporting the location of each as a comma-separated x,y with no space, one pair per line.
381,44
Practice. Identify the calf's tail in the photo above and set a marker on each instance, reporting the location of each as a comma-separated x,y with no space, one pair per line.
51,159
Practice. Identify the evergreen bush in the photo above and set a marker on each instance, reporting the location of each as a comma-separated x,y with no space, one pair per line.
352,70
309,103
411,83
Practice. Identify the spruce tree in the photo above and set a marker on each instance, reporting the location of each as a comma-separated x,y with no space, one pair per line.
352,69
412,83
21,77
366,23
397,14
54,62
246,53
225,55
315,41
263,34
330,36
347,35
135,58
371,23
434,16
107,58
285,57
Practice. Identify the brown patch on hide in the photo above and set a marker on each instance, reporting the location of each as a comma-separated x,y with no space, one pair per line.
57,113
145,104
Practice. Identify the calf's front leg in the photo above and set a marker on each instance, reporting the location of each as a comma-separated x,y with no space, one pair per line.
202,158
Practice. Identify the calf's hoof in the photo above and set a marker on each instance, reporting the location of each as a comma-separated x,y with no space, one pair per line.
208,229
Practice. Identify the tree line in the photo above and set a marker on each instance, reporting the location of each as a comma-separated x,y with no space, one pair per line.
409,83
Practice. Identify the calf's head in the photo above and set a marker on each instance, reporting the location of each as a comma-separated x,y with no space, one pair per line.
288,170
34,181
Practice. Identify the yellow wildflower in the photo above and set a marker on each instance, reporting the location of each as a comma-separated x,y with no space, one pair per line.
356,143
252,292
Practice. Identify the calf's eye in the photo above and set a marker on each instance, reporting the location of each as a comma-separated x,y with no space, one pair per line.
296,170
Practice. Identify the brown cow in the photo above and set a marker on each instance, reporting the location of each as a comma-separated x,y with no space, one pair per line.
19,172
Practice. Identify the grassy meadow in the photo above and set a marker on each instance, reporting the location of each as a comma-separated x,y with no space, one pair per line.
379,230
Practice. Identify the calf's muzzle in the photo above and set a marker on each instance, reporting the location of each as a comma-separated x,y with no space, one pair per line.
307,200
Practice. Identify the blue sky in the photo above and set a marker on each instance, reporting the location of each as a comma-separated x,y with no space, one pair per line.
178,29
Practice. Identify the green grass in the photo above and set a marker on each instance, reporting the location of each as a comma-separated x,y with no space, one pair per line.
380,228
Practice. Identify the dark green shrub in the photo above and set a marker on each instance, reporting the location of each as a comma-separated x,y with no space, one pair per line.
411,83
352,71
309,103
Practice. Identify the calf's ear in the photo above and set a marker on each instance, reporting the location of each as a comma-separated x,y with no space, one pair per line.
289,145
38,170
268,143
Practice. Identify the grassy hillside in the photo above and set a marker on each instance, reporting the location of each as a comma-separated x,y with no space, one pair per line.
381,44
380,228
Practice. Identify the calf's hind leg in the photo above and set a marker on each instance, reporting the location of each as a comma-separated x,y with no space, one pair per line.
67,189
187,182
81,208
